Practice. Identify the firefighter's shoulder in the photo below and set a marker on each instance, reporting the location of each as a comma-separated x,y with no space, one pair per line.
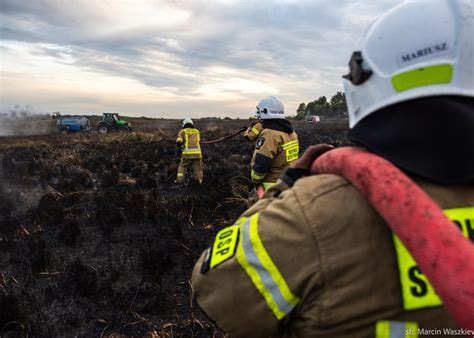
312,187
249,272
268,138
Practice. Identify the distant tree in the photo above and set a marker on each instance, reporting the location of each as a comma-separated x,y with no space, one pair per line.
338,97
321,101
321,106
310,108
334,108
338,105
301,111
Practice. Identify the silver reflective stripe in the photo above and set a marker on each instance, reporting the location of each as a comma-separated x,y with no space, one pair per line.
397,329
264,274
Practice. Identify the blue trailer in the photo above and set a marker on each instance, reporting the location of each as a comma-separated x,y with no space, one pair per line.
67,124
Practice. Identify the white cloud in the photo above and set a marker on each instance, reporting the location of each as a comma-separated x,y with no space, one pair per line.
167,58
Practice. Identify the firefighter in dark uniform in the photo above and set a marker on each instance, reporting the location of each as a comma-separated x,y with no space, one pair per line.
313,258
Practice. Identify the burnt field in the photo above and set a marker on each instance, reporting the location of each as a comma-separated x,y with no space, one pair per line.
97,240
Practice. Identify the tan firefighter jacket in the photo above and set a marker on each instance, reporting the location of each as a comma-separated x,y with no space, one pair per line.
252,132
316,260
190,140
274,151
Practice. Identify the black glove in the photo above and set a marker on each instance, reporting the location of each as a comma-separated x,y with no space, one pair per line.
302,166
179,149
291,175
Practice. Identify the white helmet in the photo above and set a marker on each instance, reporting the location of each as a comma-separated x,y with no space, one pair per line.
187,120
419,48
270,108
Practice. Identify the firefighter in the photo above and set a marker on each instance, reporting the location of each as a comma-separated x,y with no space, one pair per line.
276,146
253,132
189,147
313,258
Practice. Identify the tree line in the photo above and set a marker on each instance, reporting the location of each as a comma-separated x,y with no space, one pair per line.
334,108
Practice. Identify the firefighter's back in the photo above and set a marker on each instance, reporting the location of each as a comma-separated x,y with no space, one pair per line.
366,279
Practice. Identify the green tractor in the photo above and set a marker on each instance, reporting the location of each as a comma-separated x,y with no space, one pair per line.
112,122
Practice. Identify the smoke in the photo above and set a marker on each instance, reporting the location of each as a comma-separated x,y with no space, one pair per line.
21,121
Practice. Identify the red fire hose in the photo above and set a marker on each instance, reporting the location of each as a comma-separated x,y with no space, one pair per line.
224,138
444,255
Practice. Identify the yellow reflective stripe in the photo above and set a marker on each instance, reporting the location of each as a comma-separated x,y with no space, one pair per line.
292,154
411,330
266,277
268,262
257,176
417,291
187,132
464,220
255,131
240,221
421,77
179,140
191,131
268,185
180,174
257,281
292,150
289,144
192,152
382,329
394,329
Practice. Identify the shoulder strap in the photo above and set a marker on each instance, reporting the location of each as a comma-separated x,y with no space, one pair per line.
444,255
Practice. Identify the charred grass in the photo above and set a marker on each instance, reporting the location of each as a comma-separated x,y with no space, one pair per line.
96,239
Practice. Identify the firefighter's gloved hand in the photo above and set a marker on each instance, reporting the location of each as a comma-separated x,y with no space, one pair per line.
310,155
252,124
301,167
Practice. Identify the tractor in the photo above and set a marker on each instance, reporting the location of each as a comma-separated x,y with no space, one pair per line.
112,122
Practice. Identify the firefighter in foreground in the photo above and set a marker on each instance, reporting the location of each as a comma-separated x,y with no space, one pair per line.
189,147
313,258
276,146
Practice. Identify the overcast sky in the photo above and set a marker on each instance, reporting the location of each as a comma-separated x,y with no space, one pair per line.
175,58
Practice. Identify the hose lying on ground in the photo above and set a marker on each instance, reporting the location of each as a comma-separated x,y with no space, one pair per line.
224,138
444,255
